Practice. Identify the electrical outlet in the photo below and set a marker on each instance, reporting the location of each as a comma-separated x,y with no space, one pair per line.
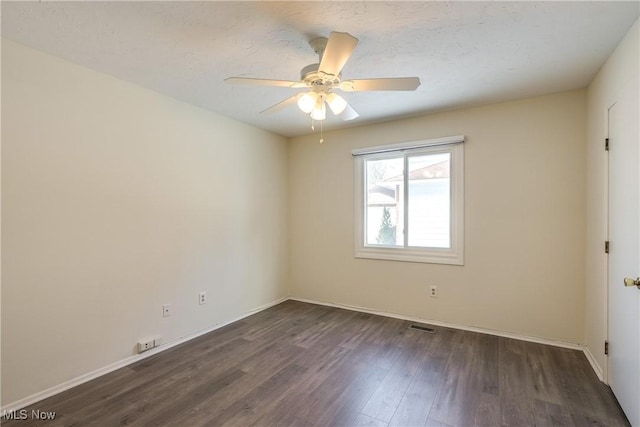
145,345
166,310
157,342
433,291
202,298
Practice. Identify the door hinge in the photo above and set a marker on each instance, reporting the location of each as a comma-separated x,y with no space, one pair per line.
606,247
606,347
606,144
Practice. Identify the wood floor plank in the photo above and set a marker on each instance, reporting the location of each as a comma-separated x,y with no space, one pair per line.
551,414
259,368
299,364
515,383
319,400
543,369
453,397
201,413
434,423
385,400
296,401
581,390
486,411
177,403
416,403
345,410
485,364
366,421
250,407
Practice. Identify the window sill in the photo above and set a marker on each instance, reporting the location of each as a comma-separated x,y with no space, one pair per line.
431,256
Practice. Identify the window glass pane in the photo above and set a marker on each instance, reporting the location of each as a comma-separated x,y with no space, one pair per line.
429,200
384,202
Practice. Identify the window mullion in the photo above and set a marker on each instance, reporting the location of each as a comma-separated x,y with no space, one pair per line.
364,201
406,200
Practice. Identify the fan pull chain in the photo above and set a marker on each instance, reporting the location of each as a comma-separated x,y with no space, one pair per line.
313,127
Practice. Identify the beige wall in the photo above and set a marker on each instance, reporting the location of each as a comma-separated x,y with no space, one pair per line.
524,214
614,77
117,200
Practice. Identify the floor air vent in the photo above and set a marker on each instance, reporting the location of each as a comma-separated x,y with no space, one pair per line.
423,328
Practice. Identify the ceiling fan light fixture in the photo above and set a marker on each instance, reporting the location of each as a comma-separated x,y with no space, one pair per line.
322,78
336,103
307,102
319,111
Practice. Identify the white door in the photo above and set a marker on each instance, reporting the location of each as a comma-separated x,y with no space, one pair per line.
624,253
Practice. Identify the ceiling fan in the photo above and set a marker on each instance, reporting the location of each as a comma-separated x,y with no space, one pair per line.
322,79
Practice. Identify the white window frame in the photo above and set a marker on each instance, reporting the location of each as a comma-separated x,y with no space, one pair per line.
453,255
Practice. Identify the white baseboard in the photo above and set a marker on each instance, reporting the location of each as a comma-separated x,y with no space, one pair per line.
592,361
594,364
30,400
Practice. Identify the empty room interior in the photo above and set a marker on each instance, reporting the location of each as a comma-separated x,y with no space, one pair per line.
320,213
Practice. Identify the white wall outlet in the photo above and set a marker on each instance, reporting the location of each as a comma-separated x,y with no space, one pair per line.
166,310
157,342
145,345
433,291
202,298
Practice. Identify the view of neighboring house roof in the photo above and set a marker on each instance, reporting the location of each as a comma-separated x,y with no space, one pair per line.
383,193
436,170
381,196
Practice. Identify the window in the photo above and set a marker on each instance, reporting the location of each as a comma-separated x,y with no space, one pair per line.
409,201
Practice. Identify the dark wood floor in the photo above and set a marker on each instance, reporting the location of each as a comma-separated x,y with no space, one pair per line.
300,364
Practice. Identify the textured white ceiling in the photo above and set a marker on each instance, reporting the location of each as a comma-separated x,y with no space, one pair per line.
465,53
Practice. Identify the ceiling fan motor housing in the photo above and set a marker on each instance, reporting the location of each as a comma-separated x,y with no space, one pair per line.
318,79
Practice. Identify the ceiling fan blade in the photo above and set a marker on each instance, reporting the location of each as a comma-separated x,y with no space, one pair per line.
349,114
281,105
264,82
337,52
392,83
